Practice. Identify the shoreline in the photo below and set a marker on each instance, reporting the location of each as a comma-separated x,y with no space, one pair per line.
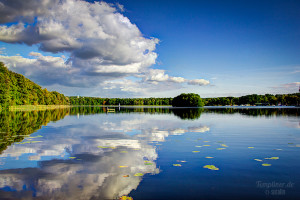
51,107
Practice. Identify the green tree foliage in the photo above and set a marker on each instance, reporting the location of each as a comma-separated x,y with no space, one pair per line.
15,89
255,99
187,100
97,101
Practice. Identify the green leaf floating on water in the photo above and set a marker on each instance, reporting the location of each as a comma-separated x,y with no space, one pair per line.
195,151
123,151
72,157
148,162
38,136
177,165
211,167
273,158
266,165
223,145
198,146
250,147
259,160
103,147
139,174
209,157
126,198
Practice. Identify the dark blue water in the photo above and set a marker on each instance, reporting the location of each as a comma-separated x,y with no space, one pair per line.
88,154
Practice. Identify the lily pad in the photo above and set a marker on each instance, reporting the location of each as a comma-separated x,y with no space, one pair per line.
123,166
211,167
38,136
139,174
105,147
266,165
209,157
250,147
101,147
177,165
123,151
126,198
259,160
72,157
148,162
198,146
195,151
223,145
272,158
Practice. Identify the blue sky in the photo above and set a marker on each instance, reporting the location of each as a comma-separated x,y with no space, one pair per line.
213,48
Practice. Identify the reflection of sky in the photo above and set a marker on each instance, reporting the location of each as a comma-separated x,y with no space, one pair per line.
94,171
71,159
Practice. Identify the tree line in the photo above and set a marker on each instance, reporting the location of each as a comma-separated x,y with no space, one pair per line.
15,89
255,99
74,100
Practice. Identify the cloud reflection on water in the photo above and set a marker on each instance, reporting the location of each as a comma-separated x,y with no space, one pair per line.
95,172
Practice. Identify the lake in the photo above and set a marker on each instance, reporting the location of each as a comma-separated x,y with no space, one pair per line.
150,153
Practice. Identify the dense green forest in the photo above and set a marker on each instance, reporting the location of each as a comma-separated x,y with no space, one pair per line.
15,89
122,101
254,99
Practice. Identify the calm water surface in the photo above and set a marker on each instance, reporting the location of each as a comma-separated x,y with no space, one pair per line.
150,153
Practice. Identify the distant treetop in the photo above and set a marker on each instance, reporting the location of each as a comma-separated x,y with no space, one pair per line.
187,100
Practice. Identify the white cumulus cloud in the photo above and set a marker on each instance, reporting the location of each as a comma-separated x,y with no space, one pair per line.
198,82
100,44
